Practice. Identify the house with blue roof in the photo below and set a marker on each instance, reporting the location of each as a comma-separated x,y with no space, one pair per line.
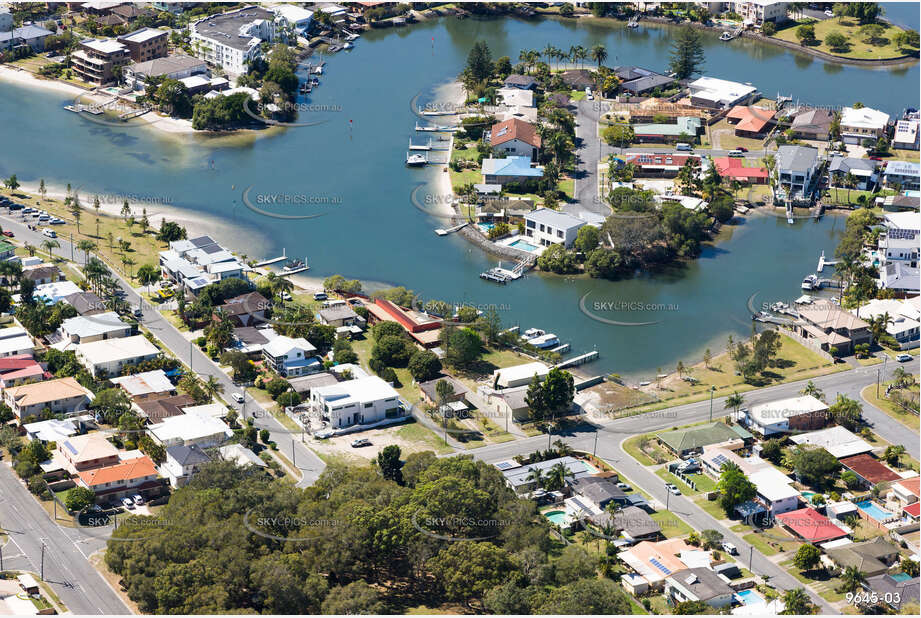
510,169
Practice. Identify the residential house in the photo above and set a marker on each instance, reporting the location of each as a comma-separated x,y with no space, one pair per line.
61,396
146,385
775,491
869,470
182,462
50,293
157,409
905,491
340,315
803,413
734,168
759,11
32,36
685,129
100,327
654,561
551,227
127,477
303,385
203,430
898,203
361,401
595,493
899,594
796,171
52,430
698,584
906,134
751,121
519,477
234,39
510,169
15,341
683,442
241,456
826,326
813,124
524,82
578,79
903,175
288,356
511,403
873,557
639,81
423,328
519,375
860,125
145,44
20,369
86,452
244,310
717,93
657,165
631,522
429,391
174,66
86,303
515,137
295,17
96,60
810,526
109,356
45,273
863,171
6,20
903,317
836,440
251,340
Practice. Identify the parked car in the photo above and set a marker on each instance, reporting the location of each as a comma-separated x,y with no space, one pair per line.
829,14
735,153
138,500
672,489
238,397
623,487
8,234
49,233
874,158
903,358
128,503
320,296
742,148
729,548
138,313
361,442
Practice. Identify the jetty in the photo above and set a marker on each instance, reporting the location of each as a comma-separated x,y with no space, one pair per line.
425,146
436,129
578,360
274,260
80,107
432,112
562,349
294,271
501,275
450,230
824,262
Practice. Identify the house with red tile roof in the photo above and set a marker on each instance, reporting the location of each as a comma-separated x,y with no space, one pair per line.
20,369
810,525
905,492
869,470
750,121
124,477
515,137
657,164
733,168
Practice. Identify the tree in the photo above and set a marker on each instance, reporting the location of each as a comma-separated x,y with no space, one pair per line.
691,608
796,602
687,54
443,390
846,412
78,498
392,351
276,387
147,274
599,54
836,41
852,579
813,466
872,34
468,570
805,33
357,598
12,183
735,401
618,135
573,564
479,62
586,596
586,239
807,557
813,391
734,487
711,539
424,365
772,449
389,464
708,358
463,346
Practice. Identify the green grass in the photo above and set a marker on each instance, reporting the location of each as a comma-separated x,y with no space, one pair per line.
713,508
856,48
668,477
671,525
415,432
632,447
819,580
771,547
906,418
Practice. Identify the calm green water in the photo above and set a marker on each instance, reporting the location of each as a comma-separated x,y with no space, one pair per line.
372,231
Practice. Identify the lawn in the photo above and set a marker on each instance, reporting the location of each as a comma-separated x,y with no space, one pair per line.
671,525
653,453
840,195
868,394
905,155
704,483
849,27
713,508
722,136
819,580
415,432
772,546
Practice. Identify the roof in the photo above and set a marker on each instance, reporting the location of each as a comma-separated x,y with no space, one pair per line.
87,447
796,158
895,593
15,340
188,427
520,372
810,525
42,272
782,409
99,324
870,557
836,440
292,12
703,583
515,398
104,46
656,560
39,393
429,387
245,304
512,166
635,522
554,218
360,390
52,430
578,78
902,168
733,167
230,28
648,82
127,470
858,167
340,312
145,383
282,345
250,335
165,407
812,121
828,316
110,350
174,63
864,118
86,303
910,485
25,33
56,290
187,455
720,90
240,455
681,440
302,384
514,128
143,35
659,160
870,469
751,119
689,125
520,81
598,490
518,475
773,485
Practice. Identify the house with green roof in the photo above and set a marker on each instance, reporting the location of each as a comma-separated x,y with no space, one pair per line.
685,129
7,250
683,442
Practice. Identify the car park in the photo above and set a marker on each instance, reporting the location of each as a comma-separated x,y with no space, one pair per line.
903,358
361,442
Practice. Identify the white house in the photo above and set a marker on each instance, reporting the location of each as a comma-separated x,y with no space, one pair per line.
861,124
551,227
905,174
294,17
904,317
906,134
836,440
519,375
796,169
804,412
99,327
15,340
698,584
241,456
714,92
291,357
232,40
109,356
760,11
181,463
202,430
356,402
775,490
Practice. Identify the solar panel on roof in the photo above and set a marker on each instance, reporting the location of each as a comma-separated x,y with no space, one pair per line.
660,566
504,465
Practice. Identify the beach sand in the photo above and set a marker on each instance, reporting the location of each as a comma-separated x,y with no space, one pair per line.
453,93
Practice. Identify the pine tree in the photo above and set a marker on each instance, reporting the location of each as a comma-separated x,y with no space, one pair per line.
687,53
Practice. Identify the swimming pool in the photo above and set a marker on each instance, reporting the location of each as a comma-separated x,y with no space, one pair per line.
557,517
869,507
486,227
523,245
901,577
749,597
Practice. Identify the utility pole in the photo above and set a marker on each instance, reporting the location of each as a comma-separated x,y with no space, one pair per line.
293,454
751,556
72,248
43,561
877,382
595,448
712,388
190,356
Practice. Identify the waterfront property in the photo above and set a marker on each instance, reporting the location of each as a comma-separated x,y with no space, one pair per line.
865,123
639,81
289,356
796,172
519,375
197,262
906,133
524,82
813,124
904,318
750,121
295,17
30,36
549,227
734,168
232,40
61,396
108,357
96,60
145,44
685,129
362,401
802,413
720,93
174,66
759,11
903,175
826,326
864,170
515,137
422,327
510,169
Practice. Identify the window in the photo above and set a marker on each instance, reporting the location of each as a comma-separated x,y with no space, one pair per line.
368,405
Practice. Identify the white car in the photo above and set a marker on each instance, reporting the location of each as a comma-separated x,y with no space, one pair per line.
829,13
623,487
672,489
903,358
49,233
138,500
128,503
238,397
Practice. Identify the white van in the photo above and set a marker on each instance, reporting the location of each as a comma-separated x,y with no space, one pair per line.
736,153
333,303
683,146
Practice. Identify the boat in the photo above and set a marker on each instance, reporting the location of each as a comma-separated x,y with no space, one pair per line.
545,341
293,265
319,70
315,81
726,36
347,45
415,159
531,333
810,282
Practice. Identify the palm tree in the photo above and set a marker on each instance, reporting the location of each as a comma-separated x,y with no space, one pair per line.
94,271
49,245
548,52
147,274
31,249
562,448
599,54
536,475
796,602
212,387
87,247
42,189
127,263
734,402
10,272
850,181
852,579
878,326
581,54
813,391
556,477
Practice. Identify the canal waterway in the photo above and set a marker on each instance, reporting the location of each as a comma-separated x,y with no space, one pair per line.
350,169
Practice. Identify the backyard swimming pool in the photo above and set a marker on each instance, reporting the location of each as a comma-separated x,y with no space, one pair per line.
901,577
869,507
557,517
523,245
749,597
485,227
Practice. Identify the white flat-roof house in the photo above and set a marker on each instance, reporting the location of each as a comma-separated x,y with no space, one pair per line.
84,329
836,440
294,17
775,490
551,227
108,357
519,375
288,356
15,340
356,402
904,317
187,429
795,413
906,134
862,124
897,247
760,11
716,93
232,40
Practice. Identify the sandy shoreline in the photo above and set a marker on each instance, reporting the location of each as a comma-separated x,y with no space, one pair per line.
451,93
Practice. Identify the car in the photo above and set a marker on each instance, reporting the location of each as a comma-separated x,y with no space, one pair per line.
128,503
138,500
164,294
672,489
238,397
590,96
138,313
623,487
735,153
285,296
729,548
57,221
95,509
742,148
8,234
361,442
874,158
829,14
49,233
903,358
320,296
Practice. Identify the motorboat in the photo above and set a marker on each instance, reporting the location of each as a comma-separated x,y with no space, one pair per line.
531,333
293,265
415,160
811,282
545,341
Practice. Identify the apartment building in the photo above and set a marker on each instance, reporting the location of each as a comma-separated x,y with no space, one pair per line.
232,40
96,61
145,44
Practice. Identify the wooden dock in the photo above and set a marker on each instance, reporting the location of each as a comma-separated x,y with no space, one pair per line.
436,129
294,271
823,263
579,360
445,232
561,349
272,260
